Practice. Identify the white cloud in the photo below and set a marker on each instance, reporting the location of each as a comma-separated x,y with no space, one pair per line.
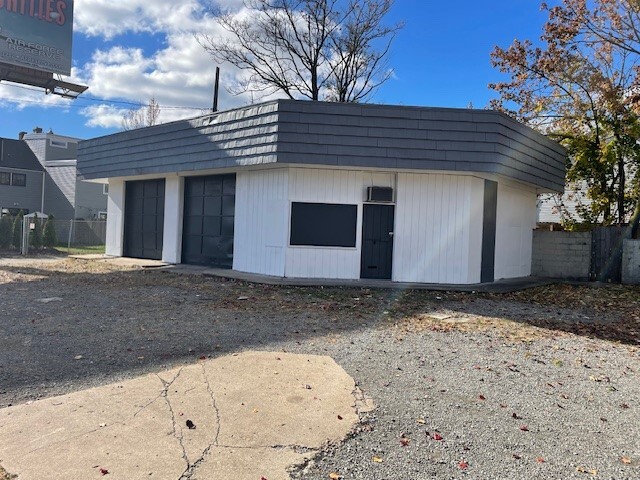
179,73
106,18
19,97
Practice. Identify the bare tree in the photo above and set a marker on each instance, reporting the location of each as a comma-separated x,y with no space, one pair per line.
145,116
316,49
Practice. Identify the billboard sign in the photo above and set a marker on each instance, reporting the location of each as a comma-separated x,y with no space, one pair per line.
37,34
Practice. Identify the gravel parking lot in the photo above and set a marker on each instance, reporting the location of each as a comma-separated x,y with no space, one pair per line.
536,384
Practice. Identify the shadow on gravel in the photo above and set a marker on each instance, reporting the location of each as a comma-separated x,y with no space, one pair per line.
61,328
68,328
606,312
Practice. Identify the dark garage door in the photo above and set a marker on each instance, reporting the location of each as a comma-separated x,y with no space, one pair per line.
144,219
209,208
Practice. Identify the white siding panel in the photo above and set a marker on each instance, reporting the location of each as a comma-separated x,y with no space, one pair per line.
261,221
433,239
515,222
115,218
173,209
330,186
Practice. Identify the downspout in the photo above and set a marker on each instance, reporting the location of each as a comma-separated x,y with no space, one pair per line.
42,201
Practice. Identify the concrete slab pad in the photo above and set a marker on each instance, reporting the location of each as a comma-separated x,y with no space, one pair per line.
244,416
121,261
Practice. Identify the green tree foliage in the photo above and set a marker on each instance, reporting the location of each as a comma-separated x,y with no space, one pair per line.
35,235
6,231
49,238
17,230
580,87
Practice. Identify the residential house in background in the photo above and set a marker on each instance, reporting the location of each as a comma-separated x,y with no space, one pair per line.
56,188
327,190
22,177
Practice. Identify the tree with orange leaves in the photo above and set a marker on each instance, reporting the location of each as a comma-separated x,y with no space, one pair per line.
581,86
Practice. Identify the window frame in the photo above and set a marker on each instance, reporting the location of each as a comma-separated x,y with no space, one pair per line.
22,175
58,144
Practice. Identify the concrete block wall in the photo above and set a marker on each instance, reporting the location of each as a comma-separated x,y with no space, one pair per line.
631,262
561,254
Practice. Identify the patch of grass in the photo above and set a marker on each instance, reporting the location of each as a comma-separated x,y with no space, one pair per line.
94,249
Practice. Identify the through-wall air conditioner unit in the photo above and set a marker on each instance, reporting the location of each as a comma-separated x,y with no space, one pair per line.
380,194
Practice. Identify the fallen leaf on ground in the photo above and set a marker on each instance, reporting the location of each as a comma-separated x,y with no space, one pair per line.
437,436
516,456
463,465
524,428
540,460
591,471
104,471
626,460
421,421
404,442
377,459
334,476
481,397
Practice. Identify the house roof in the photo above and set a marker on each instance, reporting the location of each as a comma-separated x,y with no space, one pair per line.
17,154
333,134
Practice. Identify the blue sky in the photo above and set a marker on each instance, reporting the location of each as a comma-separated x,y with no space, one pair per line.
130,51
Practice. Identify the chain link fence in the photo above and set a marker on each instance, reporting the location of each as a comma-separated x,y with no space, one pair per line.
71,236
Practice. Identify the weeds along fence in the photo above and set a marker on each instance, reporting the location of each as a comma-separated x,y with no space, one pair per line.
87,235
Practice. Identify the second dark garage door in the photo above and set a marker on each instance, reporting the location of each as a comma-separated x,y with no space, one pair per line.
209,209
144,219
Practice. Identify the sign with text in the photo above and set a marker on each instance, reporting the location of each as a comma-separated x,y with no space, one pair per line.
37,34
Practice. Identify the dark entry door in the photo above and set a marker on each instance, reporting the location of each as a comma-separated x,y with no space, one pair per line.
144,219
377,241
209,209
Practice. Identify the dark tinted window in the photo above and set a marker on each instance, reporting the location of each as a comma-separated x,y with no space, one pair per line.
18,179
323,224
5,178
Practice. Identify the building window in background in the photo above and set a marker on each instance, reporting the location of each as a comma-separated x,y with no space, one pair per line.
19,179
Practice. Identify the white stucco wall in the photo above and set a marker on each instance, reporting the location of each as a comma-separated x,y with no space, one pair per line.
515,221
115,218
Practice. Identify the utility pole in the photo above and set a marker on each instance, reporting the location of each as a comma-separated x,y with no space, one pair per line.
216,86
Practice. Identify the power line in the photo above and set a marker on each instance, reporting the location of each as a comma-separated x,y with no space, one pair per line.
92,99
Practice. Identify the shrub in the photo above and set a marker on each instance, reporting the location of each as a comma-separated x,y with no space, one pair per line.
17,230
49,239
6,232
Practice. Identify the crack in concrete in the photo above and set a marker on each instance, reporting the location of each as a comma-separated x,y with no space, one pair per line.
191,469
165,394
144,407
296,448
